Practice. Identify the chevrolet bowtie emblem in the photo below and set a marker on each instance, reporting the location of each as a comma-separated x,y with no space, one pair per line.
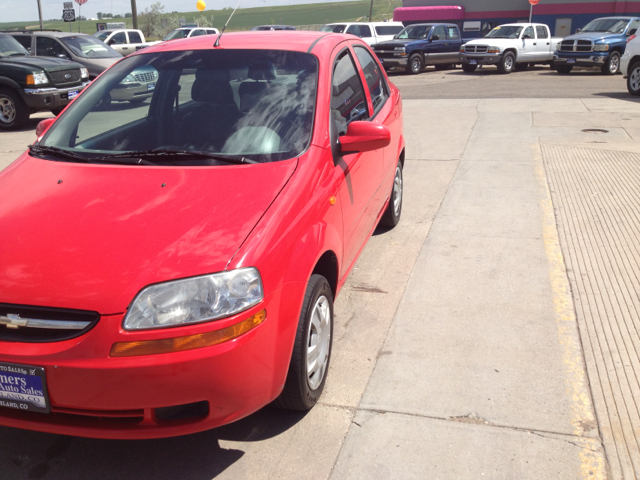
12,320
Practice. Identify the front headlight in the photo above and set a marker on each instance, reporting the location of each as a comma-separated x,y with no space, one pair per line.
37,79
84,73
493,50
399,49
601,48
195,300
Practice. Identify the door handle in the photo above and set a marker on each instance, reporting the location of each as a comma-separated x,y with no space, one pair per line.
127,48
534,43
446,44
548,43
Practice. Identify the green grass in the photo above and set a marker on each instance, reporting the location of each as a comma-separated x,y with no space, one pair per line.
245,18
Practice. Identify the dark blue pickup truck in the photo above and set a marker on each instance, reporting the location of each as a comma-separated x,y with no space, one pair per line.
600,44
421,44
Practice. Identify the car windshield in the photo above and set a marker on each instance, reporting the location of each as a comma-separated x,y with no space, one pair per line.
256,105
10,47
414,32
610,25
89,47
334,28
178,33
505,31
102,35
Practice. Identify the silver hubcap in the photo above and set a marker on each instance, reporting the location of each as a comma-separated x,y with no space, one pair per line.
7,110
634,79
318,342
415,65
397,192
508,63
614,64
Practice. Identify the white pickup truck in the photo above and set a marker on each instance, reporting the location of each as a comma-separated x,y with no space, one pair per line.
123,40
370,32
510,47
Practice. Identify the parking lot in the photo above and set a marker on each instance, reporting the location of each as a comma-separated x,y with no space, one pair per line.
492,334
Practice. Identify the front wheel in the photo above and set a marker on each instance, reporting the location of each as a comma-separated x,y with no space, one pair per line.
311,350
564,69
14,113
508,63
633,79
415,64
391,215
612,65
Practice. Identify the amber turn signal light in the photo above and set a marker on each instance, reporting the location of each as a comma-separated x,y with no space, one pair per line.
190,342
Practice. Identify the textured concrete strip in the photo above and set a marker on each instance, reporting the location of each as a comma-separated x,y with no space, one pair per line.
625,104
596,197
410,447
590,119
548,105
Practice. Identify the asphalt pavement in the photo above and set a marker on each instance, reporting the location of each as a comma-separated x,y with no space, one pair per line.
491,334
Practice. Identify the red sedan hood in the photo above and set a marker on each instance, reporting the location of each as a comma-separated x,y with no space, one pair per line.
91,236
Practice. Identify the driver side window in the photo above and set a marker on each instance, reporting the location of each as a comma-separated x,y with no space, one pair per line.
528,33
48,47
348,101
441,32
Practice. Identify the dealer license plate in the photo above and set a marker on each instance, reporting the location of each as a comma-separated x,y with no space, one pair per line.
571,60
23,387
473,62
151,86
73,94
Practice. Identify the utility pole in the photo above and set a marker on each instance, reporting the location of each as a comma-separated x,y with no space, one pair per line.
134,14
370,10
40,13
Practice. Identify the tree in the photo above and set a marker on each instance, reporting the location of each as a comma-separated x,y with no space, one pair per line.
117,16
127,15
99,15
150,20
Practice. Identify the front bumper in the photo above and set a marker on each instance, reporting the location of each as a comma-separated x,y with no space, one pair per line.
95,395
591,59
50,97
394,62
481,59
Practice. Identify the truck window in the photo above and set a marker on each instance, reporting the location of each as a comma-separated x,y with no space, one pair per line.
134,37
528,32
365,31
198,32
375,81
354,30
542,31
452,33
440,31
118,39
385,30
49,47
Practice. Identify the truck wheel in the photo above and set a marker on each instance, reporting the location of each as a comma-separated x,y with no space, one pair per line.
14,113
415,64
467,67
633,80
508,63
521,67
564,69
612,65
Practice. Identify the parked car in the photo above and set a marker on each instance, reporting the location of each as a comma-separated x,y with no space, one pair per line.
137,86
188,32
420,45
371,32
29,84
514,46
600,44
630,64
261,28
123,40
194,245
79,47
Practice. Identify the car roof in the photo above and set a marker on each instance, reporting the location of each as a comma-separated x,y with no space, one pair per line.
53,34
300,41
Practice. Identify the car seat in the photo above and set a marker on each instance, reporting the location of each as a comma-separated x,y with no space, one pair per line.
262,72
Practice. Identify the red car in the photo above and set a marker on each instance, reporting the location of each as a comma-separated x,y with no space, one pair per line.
170,266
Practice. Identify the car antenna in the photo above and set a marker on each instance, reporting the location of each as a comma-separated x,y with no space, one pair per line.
217,44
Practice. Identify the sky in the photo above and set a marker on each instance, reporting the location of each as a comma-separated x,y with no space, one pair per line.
27,10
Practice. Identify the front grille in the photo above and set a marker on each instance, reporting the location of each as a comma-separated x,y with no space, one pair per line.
65,77
145,77
43,324
476,48
576,46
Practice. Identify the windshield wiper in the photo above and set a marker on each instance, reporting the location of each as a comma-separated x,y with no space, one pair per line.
169,154
40,150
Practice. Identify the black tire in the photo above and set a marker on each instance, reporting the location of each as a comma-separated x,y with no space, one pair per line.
57,111
633,79
391,215
507,64
14,113
564,69
552,65
612,64
415,64
521,67
301,391
467,67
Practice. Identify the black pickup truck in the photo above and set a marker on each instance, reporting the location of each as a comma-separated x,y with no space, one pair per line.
31,84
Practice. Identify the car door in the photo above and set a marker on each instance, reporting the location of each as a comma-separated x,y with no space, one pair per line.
118,41
543,41
362,172
436,46
527,51
366,35
454,43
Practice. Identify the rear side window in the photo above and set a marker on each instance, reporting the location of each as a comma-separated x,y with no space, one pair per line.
542,31
452,32
385,30
197,33
48,47
348,101
24,40
134,37
375,80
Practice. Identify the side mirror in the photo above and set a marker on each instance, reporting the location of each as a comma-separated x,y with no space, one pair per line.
633,31
364,137
578,30
62,55
435,37
43,126
526,36
111,42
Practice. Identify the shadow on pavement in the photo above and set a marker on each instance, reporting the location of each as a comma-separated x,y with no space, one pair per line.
619,96
34,455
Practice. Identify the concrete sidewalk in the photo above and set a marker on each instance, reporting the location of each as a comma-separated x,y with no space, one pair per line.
483,372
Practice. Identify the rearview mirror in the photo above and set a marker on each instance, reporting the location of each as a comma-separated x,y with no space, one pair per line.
364,137
43,126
